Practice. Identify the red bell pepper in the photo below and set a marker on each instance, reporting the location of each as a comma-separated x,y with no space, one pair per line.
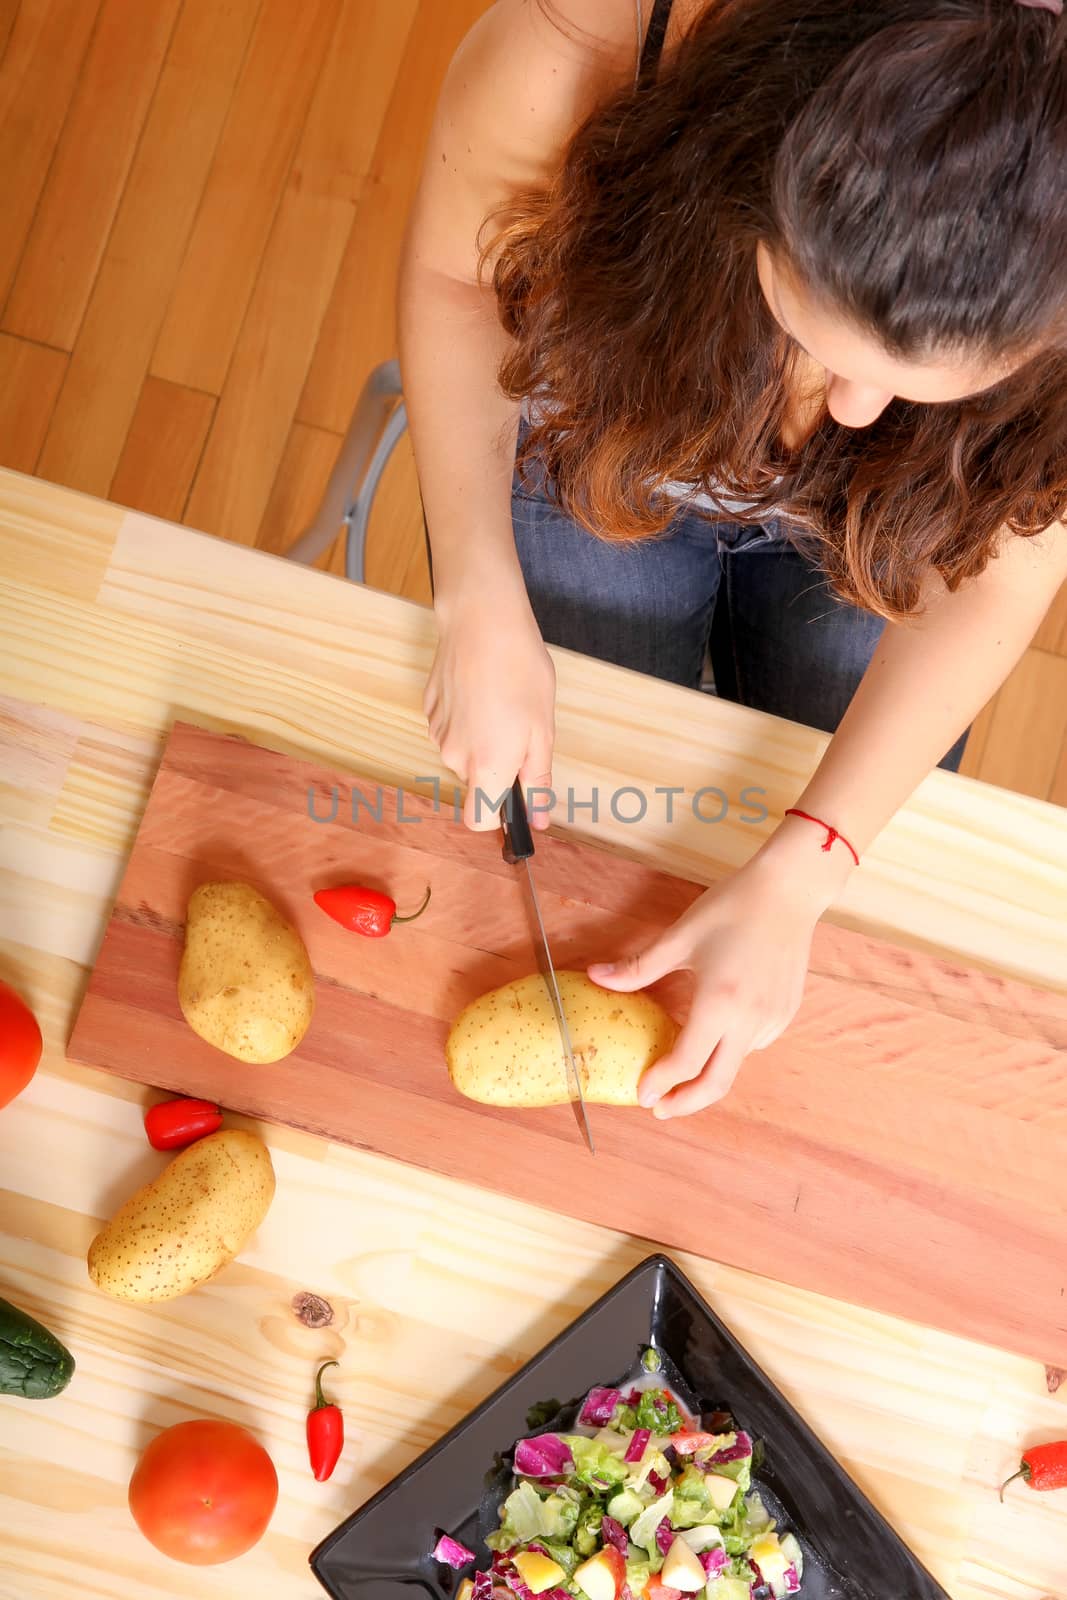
173,1124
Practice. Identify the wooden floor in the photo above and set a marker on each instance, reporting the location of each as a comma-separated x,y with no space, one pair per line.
202,203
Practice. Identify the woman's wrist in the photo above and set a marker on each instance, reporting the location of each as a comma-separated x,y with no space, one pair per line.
493,579
796,863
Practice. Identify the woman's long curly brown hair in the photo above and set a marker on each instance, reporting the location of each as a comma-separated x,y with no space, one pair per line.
908,160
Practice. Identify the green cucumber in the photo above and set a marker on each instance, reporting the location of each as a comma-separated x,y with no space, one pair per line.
731,1589
625,1506
33,1363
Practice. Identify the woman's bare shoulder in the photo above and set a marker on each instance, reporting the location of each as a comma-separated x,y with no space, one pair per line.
523,79
559,47
614,28
530,71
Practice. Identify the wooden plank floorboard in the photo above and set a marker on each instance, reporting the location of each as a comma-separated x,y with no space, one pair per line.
163,449
144,253
9,10
1028,727
357,81
30,376
38,76
88,175
254,415
298,273
978,739
396,542
243,192
1052,634
359,330
299,485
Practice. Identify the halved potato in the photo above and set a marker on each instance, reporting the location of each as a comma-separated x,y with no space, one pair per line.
504,1048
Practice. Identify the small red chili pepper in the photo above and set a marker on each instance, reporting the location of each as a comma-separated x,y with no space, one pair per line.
361,910
1043,1467
175,1123
326,1430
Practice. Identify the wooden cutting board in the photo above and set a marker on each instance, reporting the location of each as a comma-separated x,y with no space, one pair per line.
903,1147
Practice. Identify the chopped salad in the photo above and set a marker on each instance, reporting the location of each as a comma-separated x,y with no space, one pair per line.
638,1503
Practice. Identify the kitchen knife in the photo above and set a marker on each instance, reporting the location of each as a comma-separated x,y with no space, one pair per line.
518,850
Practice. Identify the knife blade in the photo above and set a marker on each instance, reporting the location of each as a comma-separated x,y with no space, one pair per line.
518,850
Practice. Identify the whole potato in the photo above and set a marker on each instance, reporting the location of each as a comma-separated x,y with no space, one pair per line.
245,982
180,1230
504,1048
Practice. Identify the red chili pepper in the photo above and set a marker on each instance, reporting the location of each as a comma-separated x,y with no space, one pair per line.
1043,1467
175,1123
326,1430
361,910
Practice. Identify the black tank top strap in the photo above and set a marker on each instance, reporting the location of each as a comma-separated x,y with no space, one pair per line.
652,48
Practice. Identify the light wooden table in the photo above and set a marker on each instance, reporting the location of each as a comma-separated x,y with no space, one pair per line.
113,625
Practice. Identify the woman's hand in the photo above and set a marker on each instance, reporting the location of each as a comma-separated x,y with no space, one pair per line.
747,942
490,700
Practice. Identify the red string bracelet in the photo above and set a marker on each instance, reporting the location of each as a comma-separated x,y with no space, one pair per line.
832,834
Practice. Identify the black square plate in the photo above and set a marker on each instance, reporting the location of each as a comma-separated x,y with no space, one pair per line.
850,1551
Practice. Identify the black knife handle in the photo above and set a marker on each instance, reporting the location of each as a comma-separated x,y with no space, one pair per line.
518,839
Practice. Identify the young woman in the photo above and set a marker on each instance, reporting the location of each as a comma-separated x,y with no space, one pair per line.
772,298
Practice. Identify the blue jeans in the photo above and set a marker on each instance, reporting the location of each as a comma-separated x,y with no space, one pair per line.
780,641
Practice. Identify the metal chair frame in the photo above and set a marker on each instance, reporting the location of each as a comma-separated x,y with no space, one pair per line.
378,422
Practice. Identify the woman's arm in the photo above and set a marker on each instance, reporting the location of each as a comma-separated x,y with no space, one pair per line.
927,682
748,940
518,86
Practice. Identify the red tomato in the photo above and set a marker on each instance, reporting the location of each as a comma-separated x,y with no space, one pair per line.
20,1044
204,1492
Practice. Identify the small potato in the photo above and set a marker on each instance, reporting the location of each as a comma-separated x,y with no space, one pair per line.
179,1231
504,1048
245,982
